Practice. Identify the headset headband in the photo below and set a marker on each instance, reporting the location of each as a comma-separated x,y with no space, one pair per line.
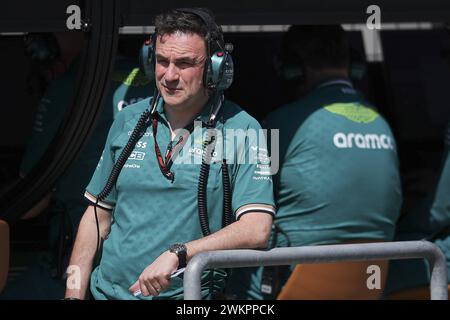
219,69
213,33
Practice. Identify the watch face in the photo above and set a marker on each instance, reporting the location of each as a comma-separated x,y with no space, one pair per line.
181,251
177,247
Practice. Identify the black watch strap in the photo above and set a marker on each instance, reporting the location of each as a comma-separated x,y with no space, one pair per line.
181,251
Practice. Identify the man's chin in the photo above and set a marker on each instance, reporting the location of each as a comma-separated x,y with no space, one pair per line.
172,100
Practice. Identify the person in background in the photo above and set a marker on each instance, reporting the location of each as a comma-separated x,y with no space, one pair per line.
57,56
426,217
338,180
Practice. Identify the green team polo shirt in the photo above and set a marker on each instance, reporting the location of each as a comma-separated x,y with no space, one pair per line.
338,179
150,212
127,85
49,115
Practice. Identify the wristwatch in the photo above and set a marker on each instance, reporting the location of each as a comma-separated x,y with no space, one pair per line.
181,251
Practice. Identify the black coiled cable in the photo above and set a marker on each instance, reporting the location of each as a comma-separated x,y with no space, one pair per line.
207,153
207,150
227,212
137,133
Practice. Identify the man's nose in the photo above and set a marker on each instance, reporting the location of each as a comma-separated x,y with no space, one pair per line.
172,73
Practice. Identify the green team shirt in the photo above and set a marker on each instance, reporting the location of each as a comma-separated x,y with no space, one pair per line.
440,210
128,85
150,212
338,178
49,115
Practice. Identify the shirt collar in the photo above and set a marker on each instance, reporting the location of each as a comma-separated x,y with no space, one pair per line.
203,116
334,82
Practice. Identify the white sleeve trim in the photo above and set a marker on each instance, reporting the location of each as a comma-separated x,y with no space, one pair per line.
254,208
93,199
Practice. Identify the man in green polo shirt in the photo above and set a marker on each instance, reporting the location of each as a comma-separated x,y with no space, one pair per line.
154,203
338,179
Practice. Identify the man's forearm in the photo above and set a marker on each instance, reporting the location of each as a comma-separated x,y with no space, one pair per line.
81,262
83,253
252,231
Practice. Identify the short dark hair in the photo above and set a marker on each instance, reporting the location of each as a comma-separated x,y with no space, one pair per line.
187,22
317,46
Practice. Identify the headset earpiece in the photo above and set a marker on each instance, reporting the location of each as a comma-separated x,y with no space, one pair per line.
219,67
42,47
295,71
221,71
147,58
357,65
289,71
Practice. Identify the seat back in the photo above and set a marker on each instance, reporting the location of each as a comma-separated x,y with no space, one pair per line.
336,281
4,253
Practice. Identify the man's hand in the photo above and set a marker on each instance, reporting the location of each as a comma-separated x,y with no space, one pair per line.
156,277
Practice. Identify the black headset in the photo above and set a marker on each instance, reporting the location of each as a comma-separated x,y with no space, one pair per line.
44,50
42,47
219,69
291,67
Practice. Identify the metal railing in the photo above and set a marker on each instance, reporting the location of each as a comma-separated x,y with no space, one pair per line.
320,254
